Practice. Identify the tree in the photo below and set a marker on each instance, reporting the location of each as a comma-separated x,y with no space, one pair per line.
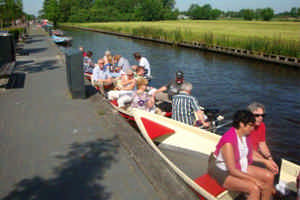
170,14
10,10
233,14
79,15
248,14
267,14
293,12
169,4
51,10
64,10
206,11
149,10
200,12
258,13
214,14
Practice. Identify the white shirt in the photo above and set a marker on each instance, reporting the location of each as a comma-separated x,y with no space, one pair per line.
243,149
145,63
124,64
99,74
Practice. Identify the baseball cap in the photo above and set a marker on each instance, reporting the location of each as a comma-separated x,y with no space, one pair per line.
179,74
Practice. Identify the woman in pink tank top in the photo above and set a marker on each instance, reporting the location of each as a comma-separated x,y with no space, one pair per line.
231,165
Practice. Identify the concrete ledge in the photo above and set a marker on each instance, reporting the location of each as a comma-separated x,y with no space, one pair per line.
285,60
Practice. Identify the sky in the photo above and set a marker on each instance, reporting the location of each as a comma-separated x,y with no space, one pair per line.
33,6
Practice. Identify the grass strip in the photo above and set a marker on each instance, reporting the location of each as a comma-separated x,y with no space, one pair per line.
278,38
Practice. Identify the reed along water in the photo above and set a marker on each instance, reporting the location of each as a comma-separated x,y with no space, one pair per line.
219,81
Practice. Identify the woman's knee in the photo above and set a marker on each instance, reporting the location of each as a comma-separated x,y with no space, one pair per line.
269,177
253,189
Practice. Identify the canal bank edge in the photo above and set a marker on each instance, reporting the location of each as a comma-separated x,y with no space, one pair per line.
163,179
278,59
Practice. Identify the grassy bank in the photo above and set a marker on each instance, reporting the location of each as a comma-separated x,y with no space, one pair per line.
282,38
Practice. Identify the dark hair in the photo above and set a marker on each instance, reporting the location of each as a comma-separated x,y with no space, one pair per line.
137,55
244,116
89,54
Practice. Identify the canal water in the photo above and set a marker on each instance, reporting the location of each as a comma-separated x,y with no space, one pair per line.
219,81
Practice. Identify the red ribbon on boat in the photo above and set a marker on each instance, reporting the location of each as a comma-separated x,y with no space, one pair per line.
154,129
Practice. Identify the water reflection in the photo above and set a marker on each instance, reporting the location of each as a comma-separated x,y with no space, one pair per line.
220,81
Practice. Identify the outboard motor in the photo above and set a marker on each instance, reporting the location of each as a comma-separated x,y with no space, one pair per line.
213,116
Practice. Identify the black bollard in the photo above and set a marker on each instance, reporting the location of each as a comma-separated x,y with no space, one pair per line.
75,76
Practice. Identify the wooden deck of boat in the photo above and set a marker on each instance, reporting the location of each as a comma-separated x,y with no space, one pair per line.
193,164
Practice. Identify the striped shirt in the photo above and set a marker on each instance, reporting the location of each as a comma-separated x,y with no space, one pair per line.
184,107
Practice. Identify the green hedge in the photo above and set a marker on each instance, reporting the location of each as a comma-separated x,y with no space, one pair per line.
16,32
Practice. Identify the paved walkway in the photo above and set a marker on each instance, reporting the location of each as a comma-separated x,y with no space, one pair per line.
53,147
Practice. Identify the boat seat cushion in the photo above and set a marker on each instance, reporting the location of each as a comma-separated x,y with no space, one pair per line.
154,129
210,185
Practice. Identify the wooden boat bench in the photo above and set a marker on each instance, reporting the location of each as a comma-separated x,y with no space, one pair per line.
213,187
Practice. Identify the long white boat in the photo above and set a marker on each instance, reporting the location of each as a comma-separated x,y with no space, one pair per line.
155,128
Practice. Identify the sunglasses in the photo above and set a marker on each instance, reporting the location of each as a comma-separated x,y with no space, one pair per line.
259,115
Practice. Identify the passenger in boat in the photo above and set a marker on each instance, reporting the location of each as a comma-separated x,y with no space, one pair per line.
124,89
108,63
121,63
115,71
81,49
134,68
140,71
100,76
141,98
185,106
258,136
143,62
106,54
231,164
88,63
173,87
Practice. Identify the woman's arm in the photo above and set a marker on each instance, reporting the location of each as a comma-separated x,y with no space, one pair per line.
150,102
162,89
264,149
269,163
130,86
126,81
